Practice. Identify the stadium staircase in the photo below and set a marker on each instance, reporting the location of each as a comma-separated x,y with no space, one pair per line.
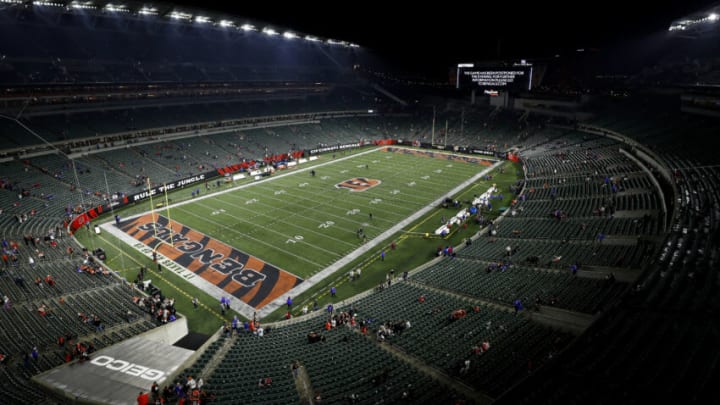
454,293
437,375
304,386
390,95
566,320
148,159
494,113
217,357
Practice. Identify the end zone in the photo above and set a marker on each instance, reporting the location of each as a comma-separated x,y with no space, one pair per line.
207,263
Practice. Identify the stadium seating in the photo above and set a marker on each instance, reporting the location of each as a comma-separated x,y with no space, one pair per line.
583,202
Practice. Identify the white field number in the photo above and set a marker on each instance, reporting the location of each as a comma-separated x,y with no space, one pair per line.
294,239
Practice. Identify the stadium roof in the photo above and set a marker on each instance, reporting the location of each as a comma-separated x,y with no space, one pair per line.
191,12
422,38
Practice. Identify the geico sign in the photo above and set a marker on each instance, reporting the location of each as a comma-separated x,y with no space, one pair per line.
129,368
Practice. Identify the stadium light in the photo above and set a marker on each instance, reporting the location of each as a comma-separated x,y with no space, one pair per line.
11,1
333,42
201,19
312,38
681,25
47,3
226,23
351,45
85,5
248,27
148,11
269,31
289,35
116,8
178,15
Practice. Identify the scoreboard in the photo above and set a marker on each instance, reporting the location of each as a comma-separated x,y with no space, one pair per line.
513,78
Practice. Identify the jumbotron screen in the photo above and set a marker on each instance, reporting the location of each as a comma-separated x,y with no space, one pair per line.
515,77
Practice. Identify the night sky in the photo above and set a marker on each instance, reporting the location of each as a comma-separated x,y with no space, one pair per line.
450,32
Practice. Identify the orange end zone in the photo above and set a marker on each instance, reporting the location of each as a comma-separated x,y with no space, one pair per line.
245,277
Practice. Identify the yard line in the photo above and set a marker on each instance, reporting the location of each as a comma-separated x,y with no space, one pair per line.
275,177
284,219
341,195
265,192
407,197
332,203
270,230
419,196
344,218
401,168
262,242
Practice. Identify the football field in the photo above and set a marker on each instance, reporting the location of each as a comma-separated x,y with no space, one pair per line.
258,241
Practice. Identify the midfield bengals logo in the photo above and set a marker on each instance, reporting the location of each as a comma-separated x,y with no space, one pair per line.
358,184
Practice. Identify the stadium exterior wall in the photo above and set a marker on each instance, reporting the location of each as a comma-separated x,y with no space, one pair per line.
169,333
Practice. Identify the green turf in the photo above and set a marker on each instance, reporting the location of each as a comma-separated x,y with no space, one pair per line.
302,224
411,247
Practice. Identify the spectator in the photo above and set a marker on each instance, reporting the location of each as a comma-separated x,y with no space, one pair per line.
143,398
265,382
518,305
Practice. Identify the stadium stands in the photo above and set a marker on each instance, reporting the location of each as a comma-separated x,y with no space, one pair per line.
571,172
596,231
